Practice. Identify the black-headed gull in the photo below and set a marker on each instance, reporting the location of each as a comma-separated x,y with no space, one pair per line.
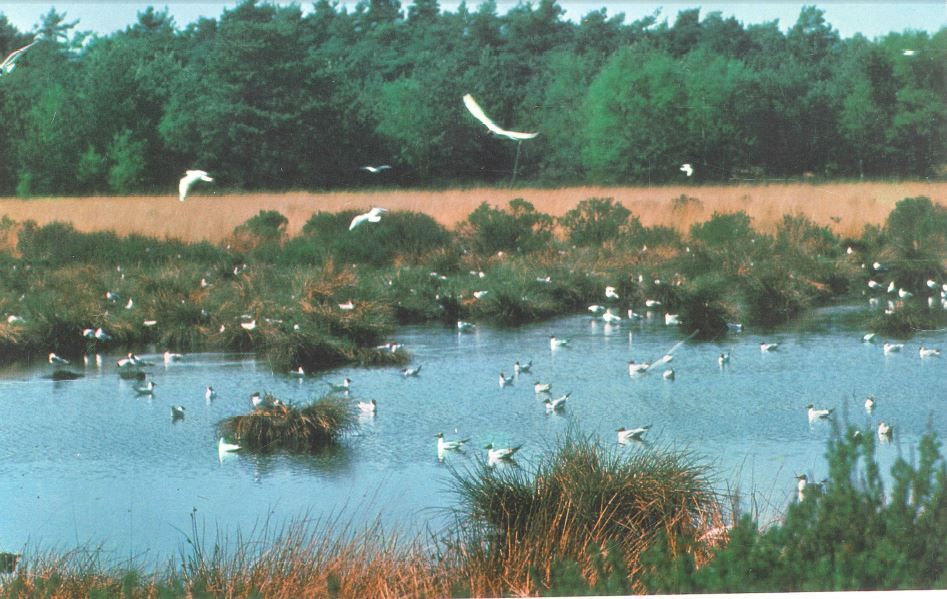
372,216
54,359
687,169
177,412
870,403
542,387
481,116
884,431
815,414
376,169
554,405
723,359
445,445
610,293
768,347
408,372
495,454
505,380
518,368
368,407
188,180
929,352
635,434
892,348
146,389
555,343
209,393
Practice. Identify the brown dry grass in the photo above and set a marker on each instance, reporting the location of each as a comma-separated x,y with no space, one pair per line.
214,217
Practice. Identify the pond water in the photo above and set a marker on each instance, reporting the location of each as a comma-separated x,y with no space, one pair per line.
90,463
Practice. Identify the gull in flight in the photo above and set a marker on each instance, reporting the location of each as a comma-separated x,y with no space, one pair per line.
635,368
376,169
905,53
481,116
9,63
188,180
372,216
687,169
635,434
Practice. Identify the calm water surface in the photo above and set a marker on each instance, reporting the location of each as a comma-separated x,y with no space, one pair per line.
88,462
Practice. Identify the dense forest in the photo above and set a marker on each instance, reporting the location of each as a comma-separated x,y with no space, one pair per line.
274,97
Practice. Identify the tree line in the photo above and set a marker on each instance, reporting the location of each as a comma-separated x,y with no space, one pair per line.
274,97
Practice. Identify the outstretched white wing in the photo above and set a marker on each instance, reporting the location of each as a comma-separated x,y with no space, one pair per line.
668,356
10,61
481,116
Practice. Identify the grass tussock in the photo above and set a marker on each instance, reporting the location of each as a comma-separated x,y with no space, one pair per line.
579,501
281,426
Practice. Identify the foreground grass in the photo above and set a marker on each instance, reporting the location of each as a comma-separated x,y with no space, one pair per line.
584,519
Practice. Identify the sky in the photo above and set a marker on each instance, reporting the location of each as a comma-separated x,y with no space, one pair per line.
870,18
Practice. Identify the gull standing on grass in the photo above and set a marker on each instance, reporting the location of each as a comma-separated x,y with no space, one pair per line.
188,180
372,216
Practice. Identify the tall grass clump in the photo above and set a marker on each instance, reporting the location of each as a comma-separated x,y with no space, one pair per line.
852,536
702,307
576,502
281,426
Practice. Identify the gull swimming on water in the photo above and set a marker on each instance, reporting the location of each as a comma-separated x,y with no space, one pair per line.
929,352
596,309
553,405
884,431
177,412
406,372
505,380
635,434
188,180
146,389
495,454
556,343
342,387
54,359
518,368
209,393
445,445
372,216
368,407
870,403
542,387
768,347
723,359
223,447
891,348
815,414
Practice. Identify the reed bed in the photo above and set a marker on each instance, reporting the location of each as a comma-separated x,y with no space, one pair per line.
275,425
213,217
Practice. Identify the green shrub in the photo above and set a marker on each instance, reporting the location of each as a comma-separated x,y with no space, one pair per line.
405,235
521,229
771,296
701,307
917,226
269,226
724,230
852,536
596,220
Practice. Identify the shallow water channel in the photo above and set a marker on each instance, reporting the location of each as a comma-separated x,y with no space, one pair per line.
89,463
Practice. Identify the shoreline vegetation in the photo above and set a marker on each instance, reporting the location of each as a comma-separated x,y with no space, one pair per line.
584,519
331,296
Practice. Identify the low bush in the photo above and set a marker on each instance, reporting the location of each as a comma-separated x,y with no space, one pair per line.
596,221
852,536
520,229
